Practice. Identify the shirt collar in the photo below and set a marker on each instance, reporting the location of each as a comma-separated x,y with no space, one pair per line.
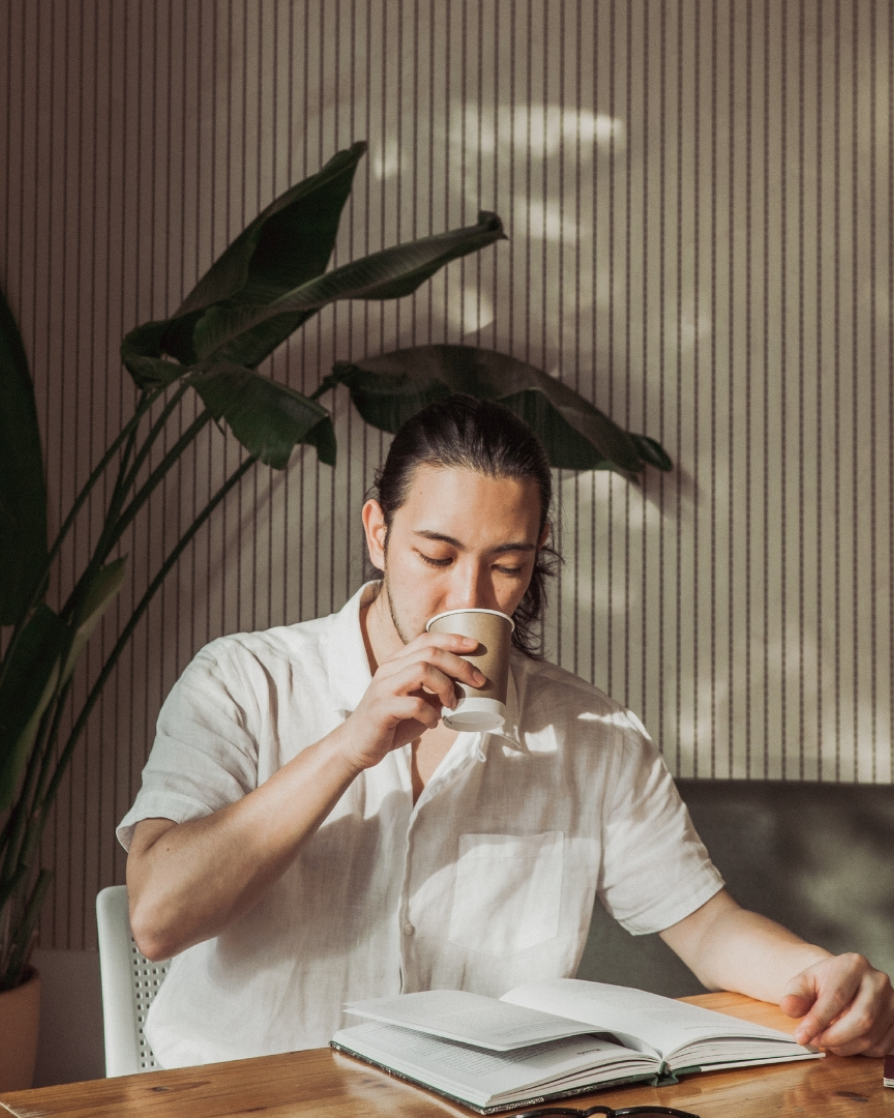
347,664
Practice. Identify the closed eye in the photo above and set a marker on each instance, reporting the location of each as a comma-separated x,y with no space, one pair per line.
432,562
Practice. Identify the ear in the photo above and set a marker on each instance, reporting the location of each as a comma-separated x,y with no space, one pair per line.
376,533
544,536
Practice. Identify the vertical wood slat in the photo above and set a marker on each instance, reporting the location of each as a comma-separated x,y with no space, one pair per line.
699,201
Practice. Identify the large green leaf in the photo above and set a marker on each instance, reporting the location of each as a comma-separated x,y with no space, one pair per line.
389,274
23,497
142,354
286,245
27,688
388,390
268,418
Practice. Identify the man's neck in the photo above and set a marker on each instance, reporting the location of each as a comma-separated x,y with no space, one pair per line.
428,752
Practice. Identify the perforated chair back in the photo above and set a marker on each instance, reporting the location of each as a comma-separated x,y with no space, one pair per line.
129,984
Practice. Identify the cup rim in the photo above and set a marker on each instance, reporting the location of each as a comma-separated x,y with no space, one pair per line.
468,609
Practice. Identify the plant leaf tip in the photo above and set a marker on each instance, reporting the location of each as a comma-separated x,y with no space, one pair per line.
492,222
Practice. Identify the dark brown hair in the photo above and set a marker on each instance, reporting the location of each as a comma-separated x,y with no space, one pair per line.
462,432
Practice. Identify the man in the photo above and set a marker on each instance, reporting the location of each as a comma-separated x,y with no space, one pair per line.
309,831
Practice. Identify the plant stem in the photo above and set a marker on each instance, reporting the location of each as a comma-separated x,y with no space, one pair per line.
153,481
116,521
114,524
154,431
23,936
127,477
127,434
30,818
42,750
15,839
113,510
44,797
40,763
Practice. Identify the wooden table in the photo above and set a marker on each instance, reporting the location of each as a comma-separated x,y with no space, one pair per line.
329,1085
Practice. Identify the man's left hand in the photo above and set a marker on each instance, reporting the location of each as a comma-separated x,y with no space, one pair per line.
847,1006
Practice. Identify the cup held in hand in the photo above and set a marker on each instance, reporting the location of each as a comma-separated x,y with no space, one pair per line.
480,708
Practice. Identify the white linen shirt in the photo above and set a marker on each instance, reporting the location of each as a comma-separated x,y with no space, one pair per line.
487,881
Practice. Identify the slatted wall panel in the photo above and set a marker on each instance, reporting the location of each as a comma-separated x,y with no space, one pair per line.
698,195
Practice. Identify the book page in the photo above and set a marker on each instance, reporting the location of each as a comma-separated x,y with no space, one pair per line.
663,1023
469,1018
480,1075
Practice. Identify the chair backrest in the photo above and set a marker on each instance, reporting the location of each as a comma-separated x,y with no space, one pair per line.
129,983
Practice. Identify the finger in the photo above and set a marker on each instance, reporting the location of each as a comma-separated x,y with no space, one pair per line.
884,1046
451,642
858,1047
834,985
451,666
449,663
796,1005
407,718
412,715
430,680
417,714
797,1002
863,1020
457,668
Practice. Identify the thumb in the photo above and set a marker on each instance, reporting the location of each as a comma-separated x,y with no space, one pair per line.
800,994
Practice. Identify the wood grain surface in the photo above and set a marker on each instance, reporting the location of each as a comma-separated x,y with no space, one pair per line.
328,1085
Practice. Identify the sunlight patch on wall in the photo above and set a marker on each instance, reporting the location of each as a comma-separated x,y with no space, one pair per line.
544,129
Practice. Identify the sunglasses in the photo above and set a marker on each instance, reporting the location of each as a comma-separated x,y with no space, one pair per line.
607,1112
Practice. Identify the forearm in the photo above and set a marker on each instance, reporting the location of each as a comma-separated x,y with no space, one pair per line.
186,882
730,948
846,1006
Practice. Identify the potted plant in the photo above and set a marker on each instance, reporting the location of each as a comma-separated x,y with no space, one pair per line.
263,288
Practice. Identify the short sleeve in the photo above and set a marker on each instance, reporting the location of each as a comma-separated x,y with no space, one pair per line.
205,753
656,870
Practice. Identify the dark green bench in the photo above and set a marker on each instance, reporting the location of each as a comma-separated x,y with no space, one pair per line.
818,858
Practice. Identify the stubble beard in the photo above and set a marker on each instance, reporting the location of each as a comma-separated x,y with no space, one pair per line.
395,620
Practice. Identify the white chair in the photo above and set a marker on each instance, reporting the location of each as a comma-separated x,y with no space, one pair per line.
129,983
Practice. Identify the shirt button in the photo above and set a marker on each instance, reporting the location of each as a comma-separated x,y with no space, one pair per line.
408,929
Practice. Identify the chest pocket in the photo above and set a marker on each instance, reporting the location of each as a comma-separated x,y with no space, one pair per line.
507,893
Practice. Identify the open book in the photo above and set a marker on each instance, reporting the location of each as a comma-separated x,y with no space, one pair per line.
546,1040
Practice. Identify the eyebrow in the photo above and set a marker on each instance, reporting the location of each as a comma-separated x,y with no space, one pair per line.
439,537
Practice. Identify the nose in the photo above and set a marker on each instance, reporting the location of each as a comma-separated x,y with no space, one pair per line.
471,586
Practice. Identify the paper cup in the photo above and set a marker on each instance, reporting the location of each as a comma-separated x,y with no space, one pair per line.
480,708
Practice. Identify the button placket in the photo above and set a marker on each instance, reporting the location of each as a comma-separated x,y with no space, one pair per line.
460,760
405,927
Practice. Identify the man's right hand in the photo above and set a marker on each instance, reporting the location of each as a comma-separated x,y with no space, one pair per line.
407,693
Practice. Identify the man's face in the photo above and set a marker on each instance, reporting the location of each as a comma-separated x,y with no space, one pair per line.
461,539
